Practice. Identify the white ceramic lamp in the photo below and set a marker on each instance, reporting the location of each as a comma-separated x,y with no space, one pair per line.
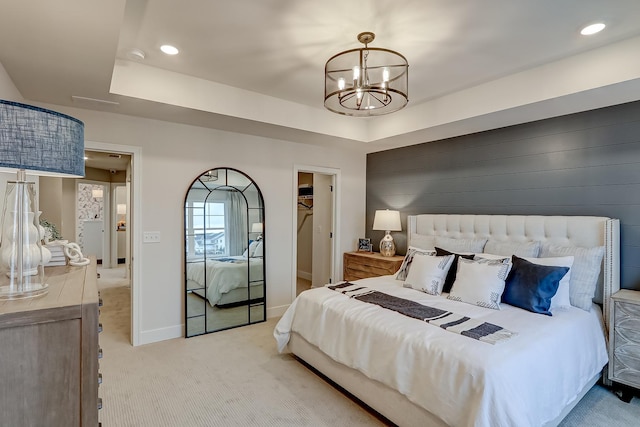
388,221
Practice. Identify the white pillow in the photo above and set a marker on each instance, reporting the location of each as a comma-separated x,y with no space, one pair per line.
402,272
422,241
524,249
252,248
427,273
562,298
480,282
584,272
460,245
259,251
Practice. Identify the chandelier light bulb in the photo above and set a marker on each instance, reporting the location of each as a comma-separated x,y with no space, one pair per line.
385,74
341,83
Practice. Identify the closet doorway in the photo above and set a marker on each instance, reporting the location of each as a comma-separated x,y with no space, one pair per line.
316,231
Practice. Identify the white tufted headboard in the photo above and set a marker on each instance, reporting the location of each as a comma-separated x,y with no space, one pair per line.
582,231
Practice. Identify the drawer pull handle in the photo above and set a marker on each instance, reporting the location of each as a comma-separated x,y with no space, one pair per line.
99,327
99,378
99,302
99,403
99,353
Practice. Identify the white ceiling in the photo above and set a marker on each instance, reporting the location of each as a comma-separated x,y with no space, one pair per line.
256,66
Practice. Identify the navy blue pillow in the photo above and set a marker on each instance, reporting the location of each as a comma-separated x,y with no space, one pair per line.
531,286
451,275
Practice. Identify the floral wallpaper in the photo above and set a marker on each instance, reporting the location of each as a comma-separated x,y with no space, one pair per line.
89,207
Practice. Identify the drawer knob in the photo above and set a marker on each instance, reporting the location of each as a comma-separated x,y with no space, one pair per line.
99,353
99,378
99,302
99,327
99,403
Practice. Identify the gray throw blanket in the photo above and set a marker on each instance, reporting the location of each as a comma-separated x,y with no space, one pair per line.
463,325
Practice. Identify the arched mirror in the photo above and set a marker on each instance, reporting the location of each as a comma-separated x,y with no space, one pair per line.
224,252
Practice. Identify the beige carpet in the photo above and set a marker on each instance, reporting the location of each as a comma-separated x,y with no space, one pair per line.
236,378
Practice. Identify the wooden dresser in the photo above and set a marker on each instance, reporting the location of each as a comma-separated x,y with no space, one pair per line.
360,265
49,353
624,340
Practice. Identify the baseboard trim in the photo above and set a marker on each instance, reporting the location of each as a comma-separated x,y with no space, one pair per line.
304,275
276,311
161,334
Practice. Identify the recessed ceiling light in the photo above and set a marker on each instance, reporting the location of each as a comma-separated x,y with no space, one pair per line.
169,50
592,29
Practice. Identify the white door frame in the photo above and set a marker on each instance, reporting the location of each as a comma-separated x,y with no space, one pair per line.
334,217
136,186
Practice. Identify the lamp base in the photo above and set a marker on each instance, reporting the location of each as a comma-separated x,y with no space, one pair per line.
28,291
387,246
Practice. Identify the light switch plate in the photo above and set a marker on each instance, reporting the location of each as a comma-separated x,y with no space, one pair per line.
151,237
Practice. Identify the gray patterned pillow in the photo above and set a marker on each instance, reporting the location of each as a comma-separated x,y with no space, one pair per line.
524,249
584,271
460,245
408,258
480,282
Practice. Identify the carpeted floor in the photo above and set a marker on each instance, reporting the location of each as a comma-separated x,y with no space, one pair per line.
237,378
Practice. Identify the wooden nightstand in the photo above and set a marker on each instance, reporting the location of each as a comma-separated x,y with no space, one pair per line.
624,340
360,265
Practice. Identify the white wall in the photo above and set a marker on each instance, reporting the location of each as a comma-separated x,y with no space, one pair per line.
172,156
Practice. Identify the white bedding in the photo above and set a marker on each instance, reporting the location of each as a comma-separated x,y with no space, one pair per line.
222,277
525,381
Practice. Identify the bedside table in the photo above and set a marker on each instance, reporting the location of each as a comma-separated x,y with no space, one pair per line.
624,340
360,265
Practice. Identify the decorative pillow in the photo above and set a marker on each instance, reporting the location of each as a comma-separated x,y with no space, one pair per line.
451,276
480,282
562,298
428,272
460,245
408,258
259,251
422,242
531,286
250,251
490,256
584,272
524,249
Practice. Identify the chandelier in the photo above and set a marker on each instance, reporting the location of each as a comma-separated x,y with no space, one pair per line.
368,81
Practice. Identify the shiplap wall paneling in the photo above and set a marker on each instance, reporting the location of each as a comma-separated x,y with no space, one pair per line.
582,164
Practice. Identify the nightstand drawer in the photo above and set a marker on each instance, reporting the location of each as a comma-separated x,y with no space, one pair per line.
624,354
361,265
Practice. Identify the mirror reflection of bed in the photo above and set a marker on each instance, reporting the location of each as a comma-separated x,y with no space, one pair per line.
224,252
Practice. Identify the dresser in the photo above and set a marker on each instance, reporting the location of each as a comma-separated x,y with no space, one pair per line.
360,265
624,340
49,353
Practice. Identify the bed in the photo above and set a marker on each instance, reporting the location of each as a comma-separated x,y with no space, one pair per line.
413,373
225,281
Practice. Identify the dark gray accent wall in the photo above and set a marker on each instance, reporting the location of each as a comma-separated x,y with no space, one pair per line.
581,164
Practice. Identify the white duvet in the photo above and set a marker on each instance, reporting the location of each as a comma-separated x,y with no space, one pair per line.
223,276
524,381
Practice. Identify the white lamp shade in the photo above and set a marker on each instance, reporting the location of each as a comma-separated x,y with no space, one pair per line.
387,220
256,227
121,209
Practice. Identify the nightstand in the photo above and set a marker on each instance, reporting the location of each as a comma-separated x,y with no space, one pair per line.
360,265
624,340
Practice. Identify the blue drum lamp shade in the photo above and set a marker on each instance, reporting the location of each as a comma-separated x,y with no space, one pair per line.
42,142
39,140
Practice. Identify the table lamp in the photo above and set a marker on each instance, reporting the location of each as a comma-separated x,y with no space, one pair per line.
45,143
388,221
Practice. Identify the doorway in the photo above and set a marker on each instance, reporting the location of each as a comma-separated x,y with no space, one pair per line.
116,168
315,227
